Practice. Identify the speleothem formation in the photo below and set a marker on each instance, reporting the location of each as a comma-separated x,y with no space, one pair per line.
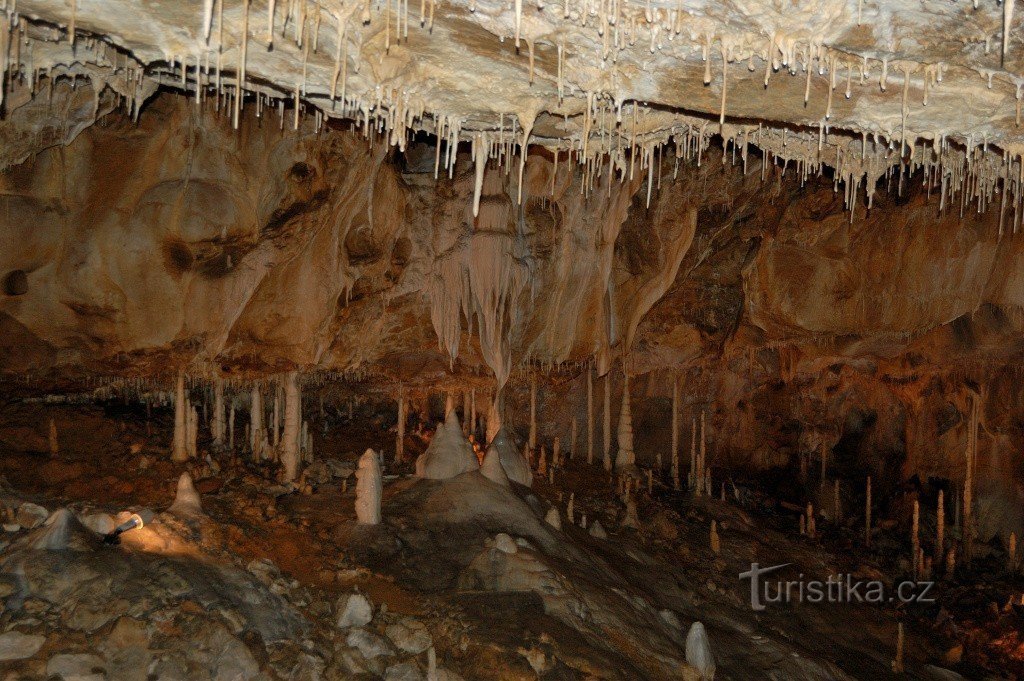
301,302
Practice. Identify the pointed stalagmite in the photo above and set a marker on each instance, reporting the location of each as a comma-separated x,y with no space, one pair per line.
449,453
492,469
698,652
292,426
515,464
369,488
716,542
186,499
179,452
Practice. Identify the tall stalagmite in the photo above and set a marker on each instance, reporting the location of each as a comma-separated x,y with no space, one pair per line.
625,458
179,450
292,426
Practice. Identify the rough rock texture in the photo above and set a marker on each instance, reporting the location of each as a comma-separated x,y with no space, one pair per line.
194,253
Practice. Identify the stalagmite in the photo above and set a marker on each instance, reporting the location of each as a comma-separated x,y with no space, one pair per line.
277,417
590,414
186,500
179,452
369,488
812,530
632,518
897,664
553,518
492,469
570,509
967,529
698,652
1011,553
231,426
675,433
625,458
54,447
400,430
556,452
915,538
449,453
292,426
191,431
867,515
256,423
837,505
572,439
542,461
532,441
219,427
607,421
597,530
716,542
940,528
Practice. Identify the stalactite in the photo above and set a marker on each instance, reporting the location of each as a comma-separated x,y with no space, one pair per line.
940,528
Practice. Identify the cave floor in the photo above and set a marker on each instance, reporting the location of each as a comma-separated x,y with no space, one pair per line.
573,607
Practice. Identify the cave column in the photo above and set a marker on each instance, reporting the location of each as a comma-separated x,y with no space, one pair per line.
292,426
178,451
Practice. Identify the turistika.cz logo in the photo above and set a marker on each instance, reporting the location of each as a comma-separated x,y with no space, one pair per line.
841,588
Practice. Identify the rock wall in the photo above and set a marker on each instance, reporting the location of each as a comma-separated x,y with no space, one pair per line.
137,248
